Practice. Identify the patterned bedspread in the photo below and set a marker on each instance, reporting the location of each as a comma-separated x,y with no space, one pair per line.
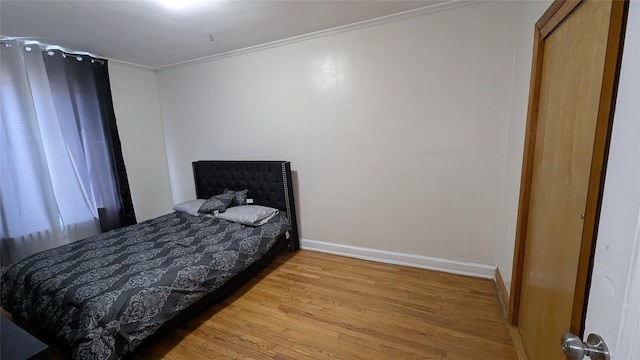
105,294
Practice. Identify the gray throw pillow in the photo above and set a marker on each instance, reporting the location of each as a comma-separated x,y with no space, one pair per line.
216,203
189,207
252,215
240,196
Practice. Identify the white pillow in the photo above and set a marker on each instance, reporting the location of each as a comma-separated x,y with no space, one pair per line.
252,215
189,207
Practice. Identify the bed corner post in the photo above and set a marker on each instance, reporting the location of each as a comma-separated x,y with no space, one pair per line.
294,240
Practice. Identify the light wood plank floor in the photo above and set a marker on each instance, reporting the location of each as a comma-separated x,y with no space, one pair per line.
310,305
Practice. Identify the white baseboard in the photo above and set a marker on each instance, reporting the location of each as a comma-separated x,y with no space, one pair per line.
391,257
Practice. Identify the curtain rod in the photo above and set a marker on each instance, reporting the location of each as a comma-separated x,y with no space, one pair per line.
77,56
49,49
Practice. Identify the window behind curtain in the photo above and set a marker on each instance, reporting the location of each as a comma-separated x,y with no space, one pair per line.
61,166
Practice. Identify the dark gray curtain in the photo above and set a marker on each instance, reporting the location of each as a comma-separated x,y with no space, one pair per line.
126,214
82,99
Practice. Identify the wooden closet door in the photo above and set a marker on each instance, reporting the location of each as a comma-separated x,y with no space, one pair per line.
567,135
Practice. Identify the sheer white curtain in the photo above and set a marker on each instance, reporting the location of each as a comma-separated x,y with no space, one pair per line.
45,193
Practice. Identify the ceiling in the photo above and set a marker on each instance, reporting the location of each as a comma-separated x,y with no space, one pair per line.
146,33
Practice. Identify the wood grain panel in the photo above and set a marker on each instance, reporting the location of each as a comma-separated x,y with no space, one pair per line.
556,13
606,109
310,305
569,99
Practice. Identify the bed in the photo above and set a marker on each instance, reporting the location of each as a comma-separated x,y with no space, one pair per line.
102,296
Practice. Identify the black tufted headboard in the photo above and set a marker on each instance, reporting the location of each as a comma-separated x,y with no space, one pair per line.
268,182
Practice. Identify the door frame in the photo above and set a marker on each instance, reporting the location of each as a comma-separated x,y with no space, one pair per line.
553,17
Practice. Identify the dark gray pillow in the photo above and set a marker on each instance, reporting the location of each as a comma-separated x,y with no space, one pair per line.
216,203
240,196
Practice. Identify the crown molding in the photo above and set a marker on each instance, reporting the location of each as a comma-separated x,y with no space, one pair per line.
131,65
447,5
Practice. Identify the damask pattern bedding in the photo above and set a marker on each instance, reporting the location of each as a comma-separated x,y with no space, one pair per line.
105,294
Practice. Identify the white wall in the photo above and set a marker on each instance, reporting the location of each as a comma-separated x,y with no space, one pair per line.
398,132
137,109
528,14
614,299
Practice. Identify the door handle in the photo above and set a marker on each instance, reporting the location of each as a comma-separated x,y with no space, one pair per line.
575,349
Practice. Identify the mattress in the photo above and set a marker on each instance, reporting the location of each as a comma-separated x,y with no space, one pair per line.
104,295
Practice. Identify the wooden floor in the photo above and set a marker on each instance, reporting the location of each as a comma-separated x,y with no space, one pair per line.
310,305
